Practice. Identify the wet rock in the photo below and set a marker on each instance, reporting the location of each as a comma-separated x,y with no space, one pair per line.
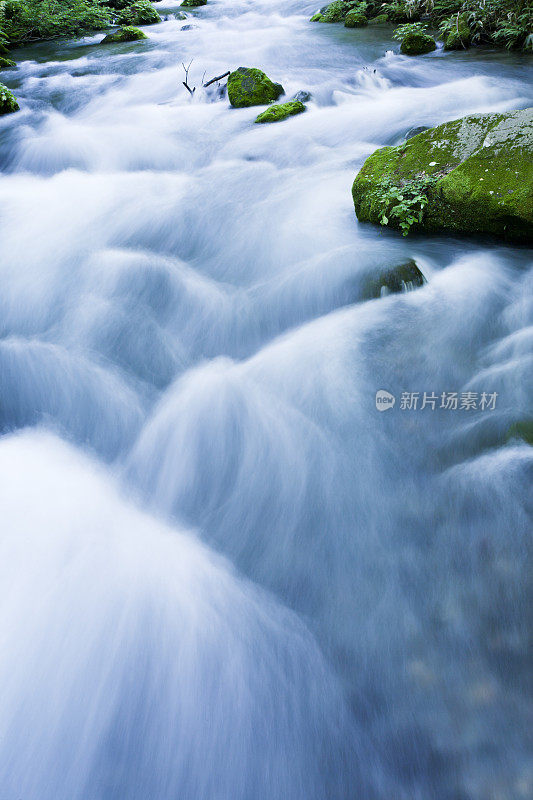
475,175
179,15
401,278
126,34
523,429
303,96
416,44
415,131
188,27
8,101
282,111
248,86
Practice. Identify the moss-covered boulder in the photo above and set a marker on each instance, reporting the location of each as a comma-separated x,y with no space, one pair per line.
6,63
248,86
416,44
460,35
355,19
473,175
194,3
282,111
391,280
381,19
126,34
139,13
8,101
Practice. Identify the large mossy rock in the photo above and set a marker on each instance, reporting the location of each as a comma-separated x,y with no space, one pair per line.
126,34
139,13
248,86
194,3
416,44
475,175
278,112
8,101
354,19
460,35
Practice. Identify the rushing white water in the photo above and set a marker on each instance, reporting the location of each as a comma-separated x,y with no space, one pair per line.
182,326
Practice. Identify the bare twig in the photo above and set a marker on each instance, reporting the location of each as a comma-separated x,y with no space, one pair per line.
214,80
186,81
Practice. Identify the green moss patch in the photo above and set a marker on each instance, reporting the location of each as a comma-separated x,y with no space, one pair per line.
282,111
249,86
126,34
139,13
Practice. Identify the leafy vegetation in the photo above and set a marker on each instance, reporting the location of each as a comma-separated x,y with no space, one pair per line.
25,21
406,203
405,30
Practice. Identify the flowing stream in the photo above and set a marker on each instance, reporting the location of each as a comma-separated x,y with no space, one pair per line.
224,575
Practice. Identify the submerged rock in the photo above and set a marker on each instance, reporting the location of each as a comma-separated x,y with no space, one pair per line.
8,101
139,13
415,131
521,430
303,96
416,44
460,35
401,278
354,19
281,111
473,175
6,63
126,34
248,86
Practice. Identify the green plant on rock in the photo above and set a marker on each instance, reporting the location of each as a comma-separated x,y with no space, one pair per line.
8,101
409,28
404,203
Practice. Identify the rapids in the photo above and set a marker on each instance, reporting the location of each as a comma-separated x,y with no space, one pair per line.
224,575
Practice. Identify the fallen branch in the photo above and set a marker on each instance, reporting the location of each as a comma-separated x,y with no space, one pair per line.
218,78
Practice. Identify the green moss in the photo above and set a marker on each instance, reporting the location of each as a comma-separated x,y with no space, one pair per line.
316,17
393,280
194,3
6,63
477,173
354,19
139,13
379,20
8,101
416,44
282,111
248,86
126,34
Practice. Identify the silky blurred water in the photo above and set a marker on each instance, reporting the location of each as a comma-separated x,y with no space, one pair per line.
224,574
